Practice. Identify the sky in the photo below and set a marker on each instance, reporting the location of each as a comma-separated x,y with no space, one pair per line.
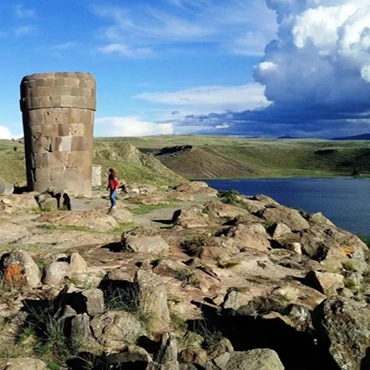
251,68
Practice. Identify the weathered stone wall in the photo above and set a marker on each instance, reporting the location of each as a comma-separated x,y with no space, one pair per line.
96,175
58,122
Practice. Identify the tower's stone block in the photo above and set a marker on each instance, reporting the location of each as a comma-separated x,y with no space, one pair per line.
58,117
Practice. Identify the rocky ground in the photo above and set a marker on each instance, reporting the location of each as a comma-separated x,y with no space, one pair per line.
180,278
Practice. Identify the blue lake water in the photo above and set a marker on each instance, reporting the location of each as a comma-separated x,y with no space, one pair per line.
345,201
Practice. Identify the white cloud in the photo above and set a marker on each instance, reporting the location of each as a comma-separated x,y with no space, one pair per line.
234,26
65,46
6,134
132,126
24,30
205,99
321,55
21,12
127,51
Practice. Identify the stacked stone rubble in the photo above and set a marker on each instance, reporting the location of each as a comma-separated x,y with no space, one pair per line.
58,119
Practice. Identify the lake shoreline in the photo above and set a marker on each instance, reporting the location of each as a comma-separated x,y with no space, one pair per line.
344,200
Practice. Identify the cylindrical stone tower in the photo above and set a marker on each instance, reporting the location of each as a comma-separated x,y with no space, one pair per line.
58,122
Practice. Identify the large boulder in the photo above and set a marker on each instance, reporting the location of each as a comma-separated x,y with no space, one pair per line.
197,187
326,282
219,209
253,236
279,214
121,215
344,326
55,273
20,268
153,300
144,244
255,359
333,247
116,329
191,218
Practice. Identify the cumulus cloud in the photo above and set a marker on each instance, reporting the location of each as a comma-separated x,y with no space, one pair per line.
131,126
316,72
321,56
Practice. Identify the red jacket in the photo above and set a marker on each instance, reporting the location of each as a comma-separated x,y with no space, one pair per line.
113,184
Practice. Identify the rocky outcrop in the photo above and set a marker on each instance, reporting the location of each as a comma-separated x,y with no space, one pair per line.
203,285
95,220
257,359
344,325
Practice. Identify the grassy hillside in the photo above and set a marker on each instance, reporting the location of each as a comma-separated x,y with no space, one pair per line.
131,165
211,157
215,156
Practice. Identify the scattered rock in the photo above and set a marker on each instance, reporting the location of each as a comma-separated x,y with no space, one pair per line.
192,218
20,268
144,244
345,326
121,215
80,328
219,209
279,230
253,236
77,264
279,214
139,188
90,301
153,300
55,273
194,355
318,218
256,359
326,282
116,329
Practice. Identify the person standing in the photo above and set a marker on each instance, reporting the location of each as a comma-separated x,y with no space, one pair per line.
112,187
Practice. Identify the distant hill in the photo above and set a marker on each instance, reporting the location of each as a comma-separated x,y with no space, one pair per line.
355,137
166,160
288,137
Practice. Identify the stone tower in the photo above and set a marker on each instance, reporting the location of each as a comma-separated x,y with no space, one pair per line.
58,121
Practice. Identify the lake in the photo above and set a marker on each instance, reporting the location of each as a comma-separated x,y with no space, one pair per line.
345,201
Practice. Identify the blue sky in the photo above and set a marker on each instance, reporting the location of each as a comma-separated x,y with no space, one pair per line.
224,67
